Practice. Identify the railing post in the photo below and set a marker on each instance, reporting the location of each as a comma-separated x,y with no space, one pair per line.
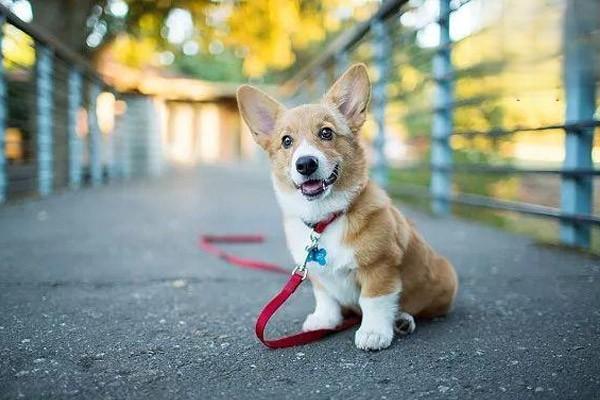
95,135
113,166
341,62
441,152
44,119
111,143
75,153
122,129
381,45
322,82
3,179
579,80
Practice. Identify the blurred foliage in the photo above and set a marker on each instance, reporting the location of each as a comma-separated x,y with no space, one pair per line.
508,72
227,67
134,52
17,49
247,38
244,38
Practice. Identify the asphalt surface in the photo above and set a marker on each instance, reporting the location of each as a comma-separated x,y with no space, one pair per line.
104,294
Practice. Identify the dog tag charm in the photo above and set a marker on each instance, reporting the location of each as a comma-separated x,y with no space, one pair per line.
318,255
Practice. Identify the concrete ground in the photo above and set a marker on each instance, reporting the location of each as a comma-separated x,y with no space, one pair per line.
104,294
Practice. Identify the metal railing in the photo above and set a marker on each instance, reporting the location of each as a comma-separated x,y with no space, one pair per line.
386,44
61,125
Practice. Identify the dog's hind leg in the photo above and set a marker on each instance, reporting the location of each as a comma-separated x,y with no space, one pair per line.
405,323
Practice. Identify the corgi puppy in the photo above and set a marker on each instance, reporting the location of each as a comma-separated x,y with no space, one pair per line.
377,263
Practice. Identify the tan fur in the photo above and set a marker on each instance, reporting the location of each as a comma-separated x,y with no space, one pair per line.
390,253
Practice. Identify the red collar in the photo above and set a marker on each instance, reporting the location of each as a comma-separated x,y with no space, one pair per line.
320,226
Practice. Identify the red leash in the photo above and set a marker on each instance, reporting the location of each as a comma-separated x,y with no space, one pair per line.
297,277
206,244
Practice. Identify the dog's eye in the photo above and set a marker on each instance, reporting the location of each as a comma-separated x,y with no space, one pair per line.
286,141
326,133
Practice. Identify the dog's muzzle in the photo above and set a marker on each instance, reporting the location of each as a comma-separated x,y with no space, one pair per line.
313,188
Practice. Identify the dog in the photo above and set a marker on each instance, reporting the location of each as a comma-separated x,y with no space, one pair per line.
377,262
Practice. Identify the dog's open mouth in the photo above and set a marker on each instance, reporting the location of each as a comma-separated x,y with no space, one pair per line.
314,187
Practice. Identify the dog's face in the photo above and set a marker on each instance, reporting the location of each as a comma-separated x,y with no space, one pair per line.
315,151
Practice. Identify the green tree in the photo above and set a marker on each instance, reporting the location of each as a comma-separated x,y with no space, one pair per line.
249,37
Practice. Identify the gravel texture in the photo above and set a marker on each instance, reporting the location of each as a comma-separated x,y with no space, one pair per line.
105,294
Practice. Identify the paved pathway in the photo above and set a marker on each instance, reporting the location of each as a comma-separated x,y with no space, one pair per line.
104,294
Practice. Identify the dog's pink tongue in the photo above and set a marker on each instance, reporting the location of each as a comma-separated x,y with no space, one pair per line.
312,187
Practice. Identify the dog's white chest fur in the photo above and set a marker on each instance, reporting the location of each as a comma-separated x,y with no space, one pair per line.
338,276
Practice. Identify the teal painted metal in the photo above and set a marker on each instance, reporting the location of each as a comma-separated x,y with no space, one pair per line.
75,144
581,16
441,152
322,83
380,170
95,136
123,140
44,100
113,159
342,62
3,178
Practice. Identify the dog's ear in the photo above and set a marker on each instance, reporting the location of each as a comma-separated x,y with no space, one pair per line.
350,94
260,112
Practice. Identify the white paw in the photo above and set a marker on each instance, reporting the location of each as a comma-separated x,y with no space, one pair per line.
405,324
368,338
316,321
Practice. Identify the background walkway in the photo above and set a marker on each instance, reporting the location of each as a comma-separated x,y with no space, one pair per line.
103,293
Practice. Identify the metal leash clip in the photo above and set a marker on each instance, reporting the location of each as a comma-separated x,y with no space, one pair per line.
313,246
301,270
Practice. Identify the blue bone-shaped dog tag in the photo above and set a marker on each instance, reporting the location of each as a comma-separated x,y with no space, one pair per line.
318,255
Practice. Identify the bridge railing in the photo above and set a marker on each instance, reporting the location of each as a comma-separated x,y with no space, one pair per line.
61,125
415,93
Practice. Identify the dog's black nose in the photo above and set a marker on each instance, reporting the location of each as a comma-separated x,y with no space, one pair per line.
306,165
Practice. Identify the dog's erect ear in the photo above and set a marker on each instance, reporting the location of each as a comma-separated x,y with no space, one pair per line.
260,112
350,94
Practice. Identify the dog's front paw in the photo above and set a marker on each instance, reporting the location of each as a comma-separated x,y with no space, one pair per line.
367,338
317,321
